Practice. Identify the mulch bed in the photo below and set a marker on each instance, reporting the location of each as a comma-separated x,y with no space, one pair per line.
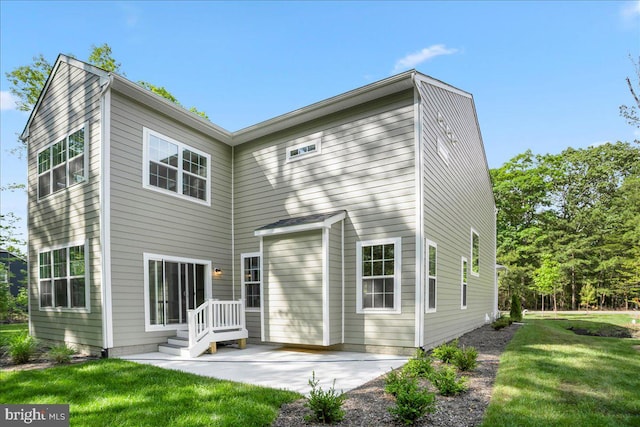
368,405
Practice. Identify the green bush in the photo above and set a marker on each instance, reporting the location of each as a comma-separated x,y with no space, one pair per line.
516,310
502,322
466,359
447,382
412,402
21,347
325,405
447,351
60,353
420,365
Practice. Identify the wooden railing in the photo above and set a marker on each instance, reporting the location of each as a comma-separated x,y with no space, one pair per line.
211,317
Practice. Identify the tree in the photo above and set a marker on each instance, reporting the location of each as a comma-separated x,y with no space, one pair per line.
516,311
27,81
546,279
632,113
587,296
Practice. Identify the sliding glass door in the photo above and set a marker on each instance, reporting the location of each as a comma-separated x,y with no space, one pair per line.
174,287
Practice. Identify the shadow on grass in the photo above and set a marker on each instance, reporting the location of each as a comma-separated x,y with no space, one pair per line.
549,376
115,392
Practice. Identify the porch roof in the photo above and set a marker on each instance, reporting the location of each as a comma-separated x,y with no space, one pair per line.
301,223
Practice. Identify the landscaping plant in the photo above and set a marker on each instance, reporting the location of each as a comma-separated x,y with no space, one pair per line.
60,353
466,359
446,352
325,405
412,401
515,314
21,347
420,365
447,382
502,322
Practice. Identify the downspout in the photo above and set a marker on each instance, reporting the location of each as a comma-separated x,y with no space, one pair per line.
105,212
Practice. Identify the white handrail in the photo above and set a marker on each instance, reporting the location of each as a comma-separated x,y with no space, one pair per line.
212,316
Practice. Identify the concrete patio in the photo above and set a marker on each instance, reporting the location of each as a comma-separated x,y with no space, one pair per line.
280,367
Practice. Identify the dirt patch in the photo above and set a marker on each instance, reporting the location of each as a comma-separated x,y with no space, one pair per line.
368,405
39,361
610,332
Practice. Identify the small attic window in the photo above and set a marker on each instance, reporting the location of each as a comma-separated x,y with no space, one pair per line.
304,147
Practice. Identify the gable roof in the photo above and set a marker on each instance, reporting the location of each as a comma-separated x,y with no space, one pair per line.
390,85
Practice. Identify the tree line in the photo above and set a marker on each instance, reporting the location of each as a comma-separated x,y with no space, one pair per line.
568,228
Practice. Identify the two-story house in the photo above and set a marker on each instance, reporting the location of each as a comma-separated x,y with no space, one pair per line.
364,222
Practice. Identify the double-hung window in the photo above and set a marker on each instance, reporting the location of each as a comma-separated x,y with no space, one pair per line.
463,286
378,276
251,280
432,276
62,164
176,168
475,253
62,278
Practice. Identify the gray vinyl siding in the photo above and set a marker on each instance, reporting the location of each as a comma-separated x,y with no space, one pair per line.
367,167
293,288
335,283
146,221
72,215
457,197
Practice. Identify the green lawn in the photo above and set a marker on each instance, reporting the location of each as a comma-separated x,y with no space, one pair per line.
549,376
114,392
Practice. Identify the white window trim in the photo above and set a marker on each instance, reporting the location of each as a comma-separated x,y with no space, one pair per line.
148,327
428,245
464,284
312,139
397,291
473,273
85,127
146,132
242,281
87,283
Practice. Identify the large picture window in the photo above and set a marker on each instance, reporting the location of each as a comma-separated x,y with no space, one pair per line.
251,280
432,275
62,164
175,168
62,278
378,276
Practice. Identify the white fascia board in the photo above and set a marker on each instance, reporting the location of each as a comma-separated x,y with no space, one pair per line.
327,223
334,104
104,79
172,110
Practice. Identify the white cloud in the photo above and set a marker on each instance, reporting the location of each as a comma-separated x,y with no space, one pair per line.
631,10
7,101
413,59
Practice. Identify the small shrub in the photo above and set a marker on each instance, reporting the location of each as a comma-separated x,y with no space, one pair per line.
502,322
516,310
393,379
447,382
466,359
447,351
419,365
21,347
60,353
325,405
412,402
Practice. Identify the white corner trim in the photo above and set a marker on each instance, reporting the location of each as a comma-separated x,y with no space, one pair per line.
419,186
326,321
263,333
105,217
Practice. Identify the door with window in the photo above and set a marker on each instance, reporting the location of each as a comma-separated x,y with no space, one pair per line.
173,288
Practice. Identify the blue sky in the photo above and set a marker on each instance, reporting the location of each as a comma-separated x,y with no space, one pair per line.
545,75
